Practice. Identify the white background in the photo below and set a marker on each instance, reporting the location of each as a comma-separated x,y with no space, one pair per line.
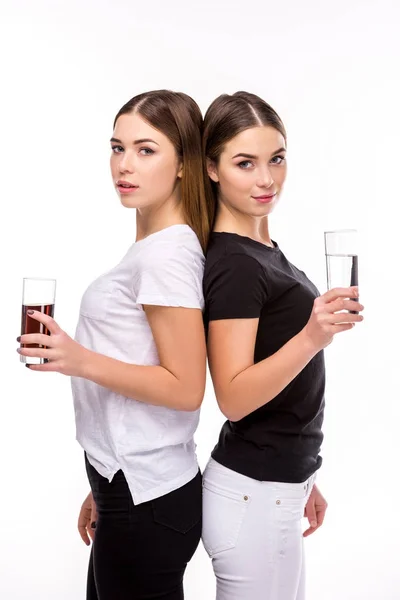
331,71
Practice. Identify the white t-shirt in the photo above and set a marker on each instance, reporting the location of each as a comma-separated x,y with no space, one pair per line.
152,445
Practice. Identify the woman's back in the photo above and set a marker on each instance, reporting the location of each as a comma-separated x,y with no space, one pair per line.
153,445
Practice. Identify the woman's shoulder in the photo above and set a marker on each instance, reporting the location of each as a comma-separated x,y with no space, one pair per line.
233,270
227,249
177,244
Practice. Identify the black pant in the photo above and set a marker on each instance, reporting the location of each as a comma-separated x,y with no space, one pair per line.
141,552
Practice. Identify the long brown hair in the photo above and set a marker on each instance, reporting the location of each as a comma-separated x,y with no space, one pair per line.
178,116
226,117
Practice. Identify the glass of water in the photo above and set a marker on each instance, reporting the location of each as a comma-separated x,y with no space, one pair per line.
341,252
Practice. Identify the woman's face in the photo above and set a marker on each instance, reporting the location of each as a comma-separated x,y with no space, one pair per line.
144,164
251,171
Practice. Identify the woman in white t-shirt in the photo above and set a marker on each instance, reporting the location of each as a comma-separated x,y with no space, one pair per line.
138,361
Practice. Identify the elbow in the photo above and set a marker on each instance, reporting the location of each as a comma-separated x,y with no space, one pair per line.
228,410
192,404
197,402
232,416
192,398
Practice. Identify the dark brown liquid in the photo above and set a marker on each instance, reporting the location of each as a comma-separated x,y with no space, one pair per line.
354,279
29,325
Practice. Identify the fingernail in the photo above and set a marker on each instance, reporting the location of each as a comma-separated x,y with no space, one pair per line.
93,525
313,523
28,366
19,338
30,312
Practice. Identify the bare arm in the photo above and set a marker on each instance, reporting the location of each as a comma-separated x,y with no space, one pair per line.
179,381
242,386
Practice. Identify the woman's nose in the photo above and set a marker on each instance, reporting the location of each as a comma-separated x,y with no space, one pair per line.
265,179
126,163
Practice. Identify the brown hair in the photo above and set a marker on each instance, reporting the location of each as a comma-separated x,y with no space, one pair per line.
227,116
178,116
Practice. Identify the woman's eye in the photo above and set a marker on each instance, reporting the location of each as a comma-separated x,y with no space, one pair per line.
146,151
117,149
277,160
245,164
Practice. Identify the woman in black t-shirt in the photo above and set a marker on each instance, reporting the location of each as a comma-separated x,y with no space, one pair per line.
267,326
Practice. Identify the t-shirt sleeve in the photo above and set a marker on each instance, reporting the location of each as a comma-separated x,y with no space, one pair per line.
235,288
172,277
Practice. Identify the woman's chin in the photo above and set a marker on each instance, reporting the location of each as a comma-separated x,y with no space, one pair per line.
130,202
263,210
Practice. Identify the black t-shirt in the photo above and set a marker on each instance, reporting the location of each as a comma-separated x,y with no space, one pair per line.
281,440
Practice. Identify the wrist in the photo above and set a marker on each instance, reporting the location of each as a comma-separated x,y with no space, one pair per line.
307,344
87,364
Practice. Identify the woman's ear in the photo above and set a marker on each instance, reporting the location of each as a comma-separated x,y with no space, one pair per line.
180,171
212,170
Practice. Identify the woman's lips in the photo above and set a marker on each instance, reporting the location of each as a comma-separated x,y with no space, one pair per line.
265,198
125,188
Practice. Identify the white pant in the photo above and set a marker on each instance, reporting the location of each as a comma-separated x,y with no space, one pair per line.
252,531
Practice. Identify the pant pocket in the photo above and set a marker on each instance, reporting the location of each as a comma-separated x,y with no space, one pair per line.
224,511
180,510
290,501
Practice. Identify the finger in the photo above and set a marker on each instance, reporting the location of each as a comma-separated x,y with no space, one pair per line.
343,304
84,535
311,515
37,352
82,528
342,318
320,511
46,367
93,526
312,529
93,521
83,521
330,295
339,328
321,515
309,531
93,514
92,530
50,323
35,338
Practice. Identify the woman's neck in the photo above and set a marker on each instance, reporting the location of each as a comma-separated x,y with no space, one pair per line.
153,219
251,227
